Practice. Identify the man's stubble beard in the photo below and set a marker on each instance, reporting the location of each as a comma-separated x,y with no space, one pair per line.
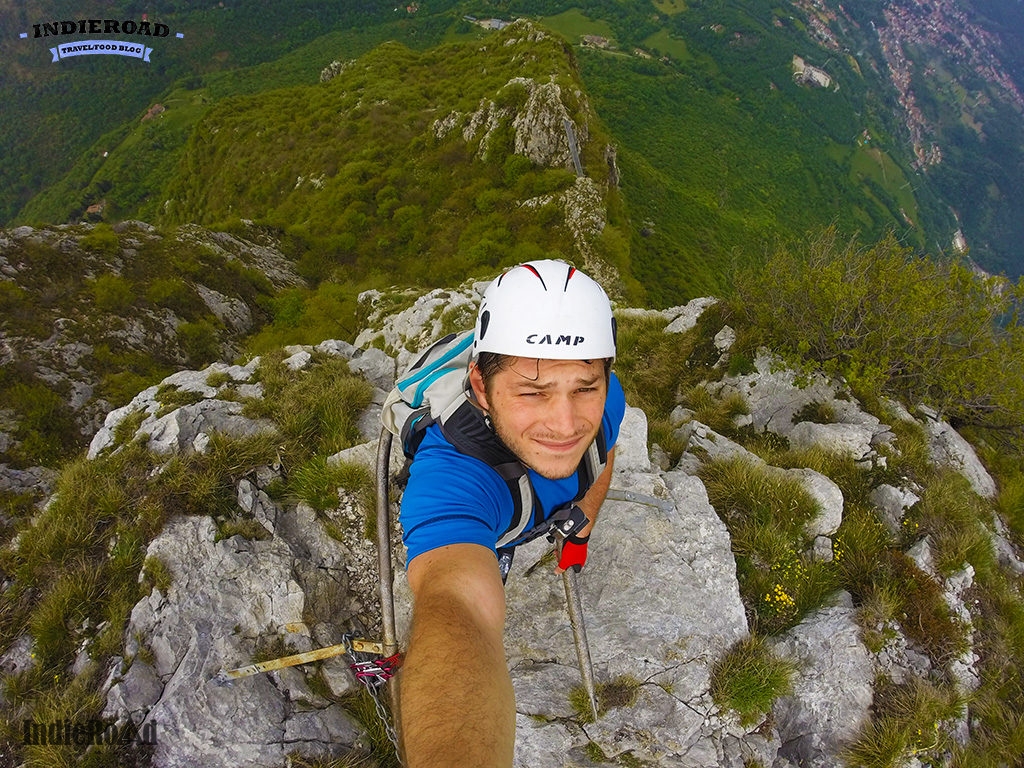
510,441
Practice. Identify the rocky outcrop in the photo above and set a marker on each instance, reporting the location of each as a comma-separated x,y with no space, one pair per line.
776,400
661,602
949,449
119,311
535,111
224,597
832,692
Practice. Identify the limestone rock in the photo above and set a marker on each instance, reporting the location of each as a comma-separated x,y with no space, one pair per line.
298,360
724,339
687,319
704,444
223,596
949,449
661,602
411,330
851,439
832,691
374,365
233,312
1004,550
631,446
539,126
177,430
829,498
775,395
18,656
893,503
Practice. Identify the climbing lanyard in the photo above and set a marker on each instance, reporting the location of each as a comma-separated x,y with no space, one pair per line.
374,672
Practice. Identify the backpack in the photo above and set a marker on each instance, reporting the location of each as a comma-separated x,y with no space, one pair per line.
435,390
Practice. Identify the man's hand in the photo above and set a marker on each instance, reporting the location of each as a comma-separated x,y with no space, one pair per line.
574,554
574,548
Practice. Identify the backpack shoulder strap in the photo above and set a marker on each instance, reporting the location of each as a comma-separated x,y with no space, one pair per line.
466,428
593,463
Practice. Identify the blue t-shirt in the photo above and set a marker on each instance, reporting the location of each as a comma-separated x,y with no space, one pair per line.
452,498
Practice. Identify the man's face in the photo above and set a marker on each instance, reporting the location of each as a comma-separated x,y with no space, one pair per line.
547,411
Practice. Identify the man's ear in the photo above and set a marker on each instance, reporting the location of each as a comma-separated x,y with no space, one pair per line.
476,383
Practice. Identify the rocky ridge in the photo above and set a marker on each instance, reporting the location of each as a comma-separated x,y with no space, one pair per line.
303,588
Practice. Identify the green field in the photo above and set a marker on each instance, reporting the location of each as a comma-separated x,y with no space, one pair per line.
872,163
665,43
670,7
573,24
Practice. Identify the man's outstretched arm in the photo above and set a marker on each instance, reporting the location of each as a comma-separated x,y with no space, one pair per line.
456,706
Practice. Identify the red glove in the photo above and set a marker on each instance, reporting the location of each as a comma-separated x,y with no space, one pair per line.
574,553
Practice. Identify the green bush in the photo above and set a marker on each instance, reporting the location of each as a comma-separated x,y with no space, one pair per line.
199,342
102,239
112,293
175,294
45,427
888,321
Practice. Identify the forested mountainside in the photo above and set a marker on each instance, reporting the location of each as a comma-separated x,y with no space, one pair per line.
726,136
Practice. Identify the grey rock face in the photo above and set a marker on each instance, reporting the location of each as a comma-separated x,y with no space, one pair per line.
233,312
690,314
893,503
829,498
179,429
851,439
631,446
949,449
832,692
539,129
411,330
661,602
224,596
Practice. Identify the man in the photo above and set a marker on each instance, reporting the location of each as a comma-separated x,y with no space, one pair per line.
540,386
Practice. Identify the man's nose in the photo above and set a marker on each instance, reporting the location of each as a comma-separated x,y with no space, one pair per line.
562,416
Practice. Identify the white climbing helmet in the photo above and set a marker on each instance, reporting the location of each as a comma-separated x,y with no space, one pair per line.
545,309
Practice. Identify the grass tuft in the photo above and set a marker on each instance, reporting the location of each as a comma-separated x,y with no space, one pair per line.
907,723
748,679
623,691
765,512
